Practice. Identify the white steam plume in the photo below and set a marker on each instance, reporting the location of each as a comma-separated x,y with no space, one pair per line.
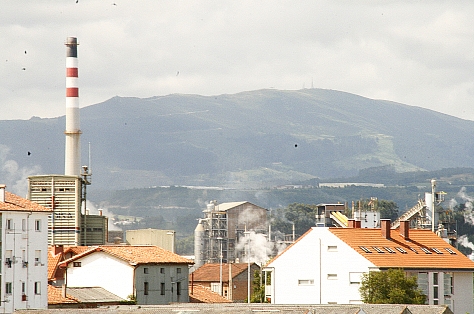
93,210
468,204
465,242
14,176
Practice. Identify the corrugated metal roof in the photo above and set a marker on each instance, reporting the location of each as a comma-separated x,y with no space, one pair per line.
92,294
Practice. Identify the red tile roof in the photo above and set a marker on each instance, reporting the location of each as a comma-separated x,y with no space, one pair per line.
399,252
211,272
201,294
53,261
146,254
16,203
55,296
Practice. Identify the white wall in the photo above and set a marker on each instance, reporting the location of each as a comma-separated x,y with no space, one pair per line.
23,241
102,270
314,257
463,296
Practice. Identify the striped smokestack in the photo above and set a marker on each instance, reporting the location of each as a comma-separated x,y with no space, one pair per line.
73,132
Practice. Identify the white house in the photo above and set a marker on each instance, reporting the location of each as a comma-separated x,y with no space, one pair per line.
151,274
324,266
24,249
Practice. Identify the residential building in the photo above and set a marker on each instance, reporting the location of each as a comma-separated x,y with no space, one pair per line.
325,265
234,275
151,274
24,248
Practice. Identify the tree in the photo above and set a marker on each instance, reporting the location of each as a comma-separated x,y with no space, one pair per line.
258,295
390,287
388,209
302,215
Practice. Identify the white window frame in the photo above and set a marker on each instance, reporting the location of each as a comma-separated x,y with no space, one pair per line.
38,225
332,248
332,277
8,288
355,278
305,282
37,287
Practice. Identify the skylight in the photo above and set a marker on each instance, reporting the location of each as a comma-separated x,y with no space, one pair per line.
413,250
389,249
379,250
449,250
425,250
401,250
436,250
366,250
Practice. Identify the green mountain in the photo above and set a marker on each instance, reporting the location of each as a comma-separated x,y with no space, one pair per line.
250,139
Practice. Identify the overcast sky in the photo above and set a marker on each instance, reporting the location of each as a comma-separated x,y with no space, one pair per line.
419,53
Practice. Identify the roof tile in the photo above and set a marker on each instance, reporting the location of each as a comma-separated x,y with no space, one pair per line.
14,202
420,240
135,254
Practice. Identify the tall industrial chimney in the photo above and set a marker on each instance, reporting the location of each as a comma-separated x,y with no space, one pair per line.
73,132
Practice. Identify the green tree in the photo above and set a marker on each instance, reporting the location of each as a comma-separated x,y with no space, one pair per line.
302,215
390,287
388,209
258,295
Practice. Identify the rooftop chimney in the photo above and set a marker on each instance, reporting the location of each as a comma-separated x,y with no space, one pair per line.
405,229
56,249
350,223
385,227
2,193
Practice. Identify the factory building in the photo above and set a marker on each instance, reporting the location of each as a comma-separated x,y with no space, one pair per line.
225,226
70,222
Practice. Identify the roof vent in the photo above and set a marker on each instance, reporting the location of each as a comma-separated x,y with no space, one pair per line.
2,193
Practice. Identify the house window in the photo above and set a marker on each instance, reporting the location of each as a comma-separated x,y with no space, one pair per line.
8,258
37,287
355,278
23,287
76,264
23,224
178,288
448,283
423,282
332,248
435,289
332,276
178,270
145,270
215,287
162,270
162,288
305,282
38,225
8,288
9,225
37,257
145,288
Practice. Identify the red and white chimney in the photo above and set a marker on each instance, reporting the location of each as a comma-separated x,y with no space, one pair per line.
73,132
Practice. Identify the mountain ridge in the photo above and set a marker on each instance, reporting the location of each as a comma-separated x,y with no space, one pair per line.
256,138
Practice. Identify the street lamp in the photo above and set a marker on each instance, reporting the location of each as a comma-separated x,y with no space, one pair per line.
433,189
247,236
220,266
